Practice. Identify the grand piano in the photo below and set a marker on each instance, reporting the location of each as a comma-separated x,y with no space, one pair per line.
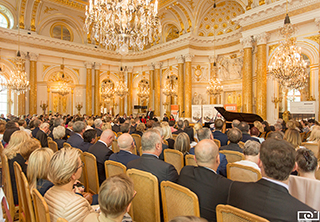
230,116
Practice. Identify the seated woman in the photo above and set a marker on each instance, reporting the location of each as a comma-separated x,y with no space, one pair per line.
115,197
182,143
167,134
58,133
65,168
12,151
307,163
314,135
293,137
140,129
38,170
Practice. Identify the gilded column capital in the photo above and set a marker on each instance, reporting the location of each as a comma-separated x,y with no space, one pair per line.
317,21
23,55
188,57
157,65
262,38
180,59
151,66
247,42
129,69
97,65
212,59
33,56
88,65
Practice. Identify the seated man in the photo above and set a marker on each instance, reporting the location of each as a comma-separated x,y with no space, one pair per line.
269,197
234,135
89,138
205,133
126,146
42,134
218,134
211,189
180,125
149,161
251,152
102,152
245,129
97,126
76,139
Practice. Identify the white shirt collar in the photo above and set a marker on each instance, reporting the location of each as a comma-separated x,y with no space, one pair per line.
150,154
277,182
79,135
210,169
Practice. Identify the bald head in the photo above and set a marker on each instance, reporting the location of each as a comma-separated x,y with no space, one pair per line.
107,136
125,142
207,154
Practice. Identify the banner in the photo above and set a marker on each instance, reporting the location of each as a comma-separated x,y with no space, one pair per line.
230,107
196,114
208,112
175,111
306,107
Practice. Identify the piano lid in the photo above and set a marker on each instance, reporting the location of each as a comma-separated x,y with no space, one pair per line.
246,117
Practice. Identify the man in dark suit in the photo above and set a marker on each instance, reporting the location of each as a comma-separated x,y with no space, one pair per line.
269,197
97,126
188,130
149,161
102,152
150,114
205,133
217,134
89,138
165,118
211,188
69,129
116,126
77,138
180,125
42,134
36,123
126,146
234,135
245,129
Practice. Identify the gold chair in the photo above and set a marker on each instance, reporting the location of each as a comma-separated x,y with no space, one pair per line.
165,142
114,168
90,164
174,136
119,134
26,212
241,144
115,134
217,142
146,204
226,213
262,135
314,147
238,172
306,136
40,207
189,159
83,179
140,150
137,139
61,220
302,135
7,186
115,147
175,158
66,144
53,145
49,139
195,139
232,156
178,201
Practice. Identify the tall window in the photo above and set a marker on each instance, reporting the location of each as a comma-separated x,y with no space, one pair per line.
61,31
3,99
293,96
4,22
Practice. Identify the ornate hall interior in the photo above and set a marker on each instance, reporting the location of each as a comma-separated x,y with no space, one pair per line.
234,42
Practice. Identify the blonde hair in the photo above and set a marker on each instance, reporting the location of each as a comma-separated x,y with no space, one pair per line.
259,125
28,147
106,126
293,137
315,134
63,164
291,124
141,127
182,143
196,127
166,130
17,138
38,166
90,122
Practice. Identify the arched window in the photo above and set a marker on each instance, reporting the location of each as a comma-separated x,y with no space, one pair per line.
61,31
4,21
6,18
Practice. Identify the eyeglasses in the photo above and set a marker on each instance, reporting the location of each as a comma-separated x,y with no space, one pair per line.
134,194
82,165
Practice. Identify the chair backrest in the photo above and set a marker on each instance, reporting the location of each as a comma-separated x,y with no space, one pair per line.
114,168
239,172
217,142
6,182
40,207
262,135
189,159
174,136
53,145
140,150
307,135
232,156
119,134
90,164
65,144
305,190
241,144
178,201
137,139
195,139
26,212
146,204
49,139
165,142
174,157
83,178
314,147
226,213
61,220
115,147
302,135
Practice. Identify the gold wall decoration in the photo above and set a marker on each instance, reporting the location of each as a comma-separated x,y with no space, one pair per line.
315,38
71,4
45,67
198,72
49,9
187,15
191,3
56,77
22,11
33,16
272,48
77,71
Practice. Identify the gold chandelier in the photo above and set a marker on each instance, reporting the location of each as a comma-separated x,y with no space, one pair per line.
63,87
107,91
289,68
215,87
18,81
169,88
123,24
3,83
121,89
143,91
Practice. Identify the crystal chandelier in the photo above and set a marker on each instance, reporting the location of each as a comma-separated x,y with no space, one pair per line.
215,87
3,83
121,89
18,81
143,92
123,24
63,87
107,91
289,68
169,88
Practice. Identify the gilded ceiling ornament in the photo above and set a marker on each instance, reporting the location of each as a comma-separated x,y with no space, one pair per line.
191,3
315,38
272,48
198,72
58,77
45,67
49,9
